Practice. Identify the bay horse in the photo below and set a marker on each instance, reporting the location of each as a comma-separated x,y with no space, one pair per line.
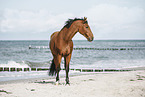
61,44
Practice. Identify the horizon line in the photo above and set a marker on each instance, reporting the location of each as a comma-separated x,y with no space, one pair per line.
49,39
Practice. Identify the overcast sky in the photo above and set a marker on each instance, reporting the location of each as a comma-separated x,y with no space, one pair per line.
38,19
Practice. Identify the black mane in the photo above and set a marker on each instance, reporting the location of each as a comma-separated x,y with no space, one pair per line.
70,21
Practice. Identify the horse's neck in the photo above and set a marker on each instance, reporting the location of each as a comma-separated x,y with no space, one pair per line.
68,33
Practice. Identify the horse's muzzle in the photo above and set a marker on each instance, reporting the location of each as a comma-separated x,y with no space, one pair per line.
90,39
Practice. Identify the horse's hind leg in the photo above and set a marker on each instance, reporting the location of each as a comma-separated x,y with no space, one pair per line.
57,61
67,60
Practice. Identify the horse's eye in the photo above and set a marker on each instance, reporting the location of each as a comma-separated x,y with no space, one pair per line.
86,27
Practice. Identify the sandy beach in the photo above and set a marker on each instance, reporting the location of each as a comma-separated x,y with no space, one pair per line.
116,84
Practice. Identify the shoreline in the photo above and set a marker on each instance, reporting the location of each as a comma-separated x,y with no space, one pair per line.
117,84
31,75
51,77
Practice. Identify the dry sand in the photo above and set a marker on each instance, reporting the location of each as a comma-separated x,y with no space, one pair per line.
120,84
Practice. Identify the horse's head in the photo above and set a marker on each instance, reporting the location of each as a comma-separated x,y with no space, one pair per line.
85,30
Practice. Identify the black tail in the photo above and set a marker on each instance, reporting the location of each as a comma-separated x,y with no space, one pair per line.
52,69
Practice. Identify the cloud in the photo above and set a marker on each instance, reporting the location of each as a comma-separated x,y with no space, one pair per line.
111,21
31,21
107,21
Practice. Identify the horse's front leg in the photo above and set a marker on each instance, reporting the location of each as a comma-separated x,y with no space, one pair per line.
57,61
67,61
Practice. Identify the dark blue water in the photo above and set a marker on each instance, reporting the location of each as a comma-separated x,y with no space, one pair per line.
18,54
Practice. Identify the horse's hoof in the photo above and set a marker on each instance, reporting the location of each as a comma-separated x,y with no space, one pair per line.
57,83
67,83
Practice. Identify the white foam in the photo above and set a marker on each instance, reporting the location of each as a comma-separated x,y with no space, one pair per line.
13,64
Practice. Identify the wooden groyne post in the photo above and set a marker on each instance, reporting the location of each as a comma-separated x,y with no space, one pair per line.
12,69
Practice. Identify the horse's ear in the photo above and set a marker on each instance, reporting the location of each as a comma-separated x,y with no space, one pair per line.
85,18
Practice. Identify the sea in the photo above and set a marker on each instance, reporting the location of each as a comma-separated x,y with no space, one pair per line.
98,54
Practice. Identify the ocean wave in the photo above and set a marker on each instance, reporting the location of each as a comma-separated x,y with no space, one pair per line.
14,64
38,64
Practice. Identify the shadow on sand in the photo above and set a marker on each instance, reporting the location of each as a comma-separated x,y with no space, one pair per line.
49,82
45,82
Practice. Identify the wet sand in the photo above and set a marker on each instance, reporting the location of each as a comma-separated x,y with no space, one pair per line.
114,84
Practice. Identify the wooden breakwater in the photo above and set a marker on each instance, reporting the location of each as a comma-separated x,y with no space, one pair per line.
93,48
13,69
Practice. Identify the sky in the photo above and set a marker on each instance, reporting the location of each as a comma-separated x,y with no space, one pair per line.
38,19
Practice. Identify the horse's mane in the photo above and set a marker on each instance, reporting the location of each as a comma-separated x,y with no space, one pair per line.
70,21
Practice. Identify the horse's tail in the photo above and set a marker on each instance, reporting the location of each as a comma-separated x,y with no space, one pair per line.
52,69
